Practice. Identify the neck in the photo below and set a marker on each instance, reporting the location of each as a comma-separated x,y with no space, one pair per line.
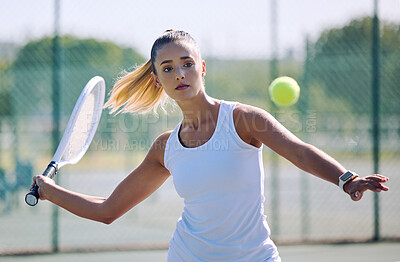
199,110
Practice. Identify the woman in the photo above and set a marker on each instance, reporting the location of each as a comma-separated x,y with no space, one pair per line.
214,156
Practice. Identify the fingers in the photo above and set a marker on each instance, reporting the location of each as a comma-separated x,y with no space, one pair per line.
380,176
374,183
36,180
43,184
377,180
33,183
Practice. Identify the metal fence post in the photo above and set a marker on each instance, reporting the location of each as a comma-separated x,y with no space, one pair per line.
375,111
274,157
304,179
56,110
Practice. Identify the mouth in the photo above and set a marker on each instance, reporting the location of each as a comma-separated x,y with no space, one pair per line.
182,87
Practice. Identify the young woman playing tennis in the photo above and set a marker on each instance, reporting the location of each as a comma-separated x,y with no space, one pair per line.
222,186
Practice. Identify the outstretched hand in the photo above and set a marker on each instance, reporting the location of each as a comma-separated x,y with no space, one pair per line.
356,187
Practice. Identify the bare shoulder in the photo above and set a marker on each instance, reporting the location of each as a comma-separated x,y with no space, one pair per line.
247,111
162,139
253,117
247,119
260,127
157,149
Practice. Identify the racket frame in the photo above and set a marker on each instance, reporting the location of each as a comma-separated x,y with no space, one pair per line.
32,197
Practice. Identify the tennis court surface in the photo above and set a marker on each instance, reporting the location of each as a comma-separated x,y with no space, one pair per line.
371,252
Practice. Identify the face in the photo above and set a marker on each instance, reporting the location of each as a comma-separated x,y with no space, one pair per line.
180,70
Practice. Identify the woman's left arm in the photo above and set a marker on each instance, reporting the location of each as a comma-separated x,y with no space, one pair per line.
256,126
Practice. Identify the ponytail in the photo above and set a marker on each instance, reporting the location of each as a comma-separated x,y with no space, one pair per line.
135,92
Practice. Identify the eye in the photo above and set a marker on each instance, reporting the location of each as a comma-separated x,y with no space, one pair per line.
188,64
167,69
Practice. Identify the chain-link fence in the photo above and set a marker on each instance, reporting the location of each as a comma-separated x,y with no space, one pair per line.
335,113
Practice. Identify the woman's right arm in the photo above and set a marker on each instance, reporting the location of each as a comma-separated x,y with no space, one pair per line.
136,187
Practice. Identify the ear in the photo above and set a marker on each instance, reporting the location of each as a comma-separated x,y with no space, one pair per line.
156,81
203,69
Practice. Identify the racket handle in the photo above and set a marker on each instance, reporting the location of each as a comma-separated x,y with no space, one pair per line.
32,197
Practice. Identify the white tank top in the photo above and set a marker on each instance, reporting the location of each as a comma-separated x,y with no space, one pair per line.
222,184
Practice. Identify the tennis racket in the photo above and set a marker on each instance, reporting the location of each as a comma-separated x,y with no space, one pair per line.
78,134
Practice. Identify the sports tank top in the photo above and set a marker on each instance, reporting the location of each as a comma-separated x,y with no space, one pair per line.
222,184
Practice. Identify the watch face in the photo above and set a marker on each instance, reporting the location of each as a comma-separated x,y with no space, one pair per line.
346,176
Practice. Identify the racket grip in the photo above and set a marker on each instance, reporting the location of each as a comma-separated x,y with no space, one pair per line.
32,197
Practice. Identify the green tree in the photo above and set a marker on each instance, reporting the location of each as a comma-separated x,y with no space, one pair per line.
81,60
246,81
341,66
5,84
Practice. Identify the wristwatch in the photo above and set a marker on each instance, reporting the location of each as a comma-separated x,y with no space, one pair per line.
346,177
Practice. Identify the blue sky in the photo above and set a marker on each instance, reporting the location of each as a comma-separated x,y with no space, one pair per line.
238,29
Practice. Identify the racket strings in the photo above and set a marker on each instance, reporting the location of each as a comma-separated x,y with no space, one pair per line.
85,126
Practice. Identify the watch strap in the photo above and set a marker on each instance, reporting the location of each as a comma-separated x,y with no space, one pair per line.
346,177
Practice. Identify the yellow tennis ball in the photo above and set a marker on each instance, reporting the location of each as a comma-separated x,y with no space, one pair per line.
284,91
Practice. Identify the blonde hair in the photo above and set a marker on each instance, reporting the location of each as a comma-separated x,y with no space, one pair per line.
136,91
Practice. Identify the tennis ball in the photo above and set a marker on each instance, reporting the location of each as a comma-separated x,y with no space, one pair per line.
284,91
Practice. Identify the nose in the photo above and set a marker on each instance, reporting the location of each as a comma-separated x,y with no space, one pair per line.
179,75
